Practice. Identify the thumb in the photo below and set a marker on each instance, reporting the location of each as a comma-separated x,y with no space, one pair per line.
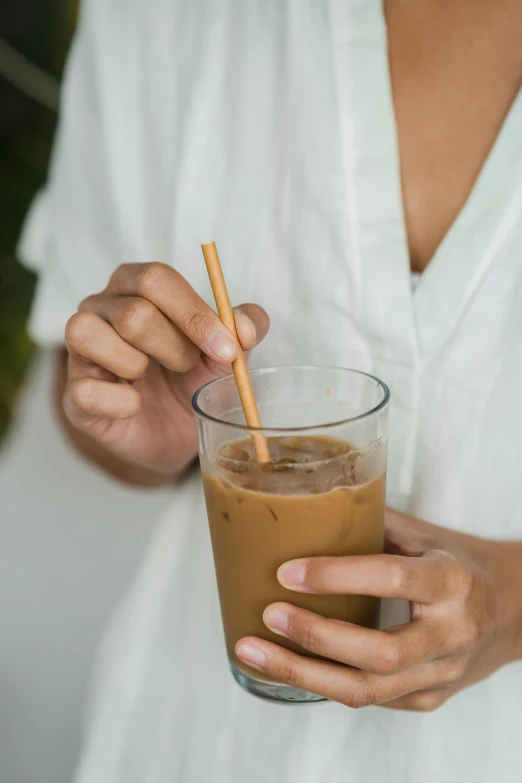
252,324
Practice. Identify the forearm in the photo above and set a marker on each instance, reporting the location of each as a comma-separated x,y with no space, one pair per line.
96,453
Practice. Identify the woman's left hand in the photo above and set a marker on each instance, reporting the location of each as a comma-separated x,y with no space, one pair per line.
465,597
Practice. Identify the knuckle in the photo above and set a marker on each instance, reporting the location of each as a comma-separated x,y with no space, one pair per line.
390,657
425,701
117,279
134,318
151,277
116,276
471,632
454,671
463,580
83,393
89,303
194,322
324,577
185,358
287,673
78,330
360,694
307,636
400,577
138,368
320,574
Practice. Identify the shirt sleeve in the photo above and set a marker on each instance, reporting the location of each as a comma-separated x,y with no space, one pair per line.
70,237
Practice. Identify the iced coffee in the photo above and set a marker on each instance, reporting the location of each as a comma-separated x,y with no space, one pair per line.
318,496
313,499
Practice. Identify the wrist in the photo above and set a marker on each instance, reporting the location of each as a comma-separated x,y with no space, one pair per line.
509,594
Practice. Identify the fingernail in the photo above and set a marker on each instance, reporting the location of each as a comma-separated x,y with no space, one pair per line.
252,655
276,619
292,574
247,322
221,345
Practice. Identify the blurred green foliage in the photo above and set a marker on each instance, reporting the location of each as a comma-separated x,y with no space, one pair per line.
17,185
40,31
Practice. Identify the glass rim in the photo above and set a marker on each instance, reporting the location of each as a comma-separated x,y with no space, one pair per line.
259,370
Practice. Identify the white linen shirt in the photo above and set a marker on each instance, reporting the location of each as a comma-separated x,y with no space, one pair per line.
268,126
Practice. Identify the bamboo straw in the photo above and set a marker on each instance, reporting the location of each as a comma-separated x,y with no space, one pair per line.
239,365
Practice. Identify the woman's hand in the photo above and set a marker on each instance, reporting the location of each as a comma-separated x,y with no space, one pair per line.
137,353
465,597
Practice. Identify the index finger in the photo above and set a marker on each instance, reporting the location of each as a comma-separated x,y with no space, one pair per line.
175,297
421,579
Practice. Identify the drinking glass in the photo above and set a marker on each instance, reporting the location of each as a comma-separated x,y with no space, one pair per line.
328,501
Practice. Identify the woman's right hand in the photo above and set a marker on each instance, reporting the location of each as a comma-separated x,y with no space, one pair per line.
137,353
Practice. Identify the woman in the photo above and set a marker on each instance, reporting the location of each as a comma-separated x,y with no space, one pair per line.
276,130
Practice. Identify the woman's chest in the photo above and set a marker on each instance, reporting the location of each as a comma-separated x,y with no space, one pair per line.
277,141
456,69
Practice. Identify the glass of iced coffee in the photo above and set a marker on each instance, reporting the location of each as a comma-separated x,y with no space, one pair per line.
322,493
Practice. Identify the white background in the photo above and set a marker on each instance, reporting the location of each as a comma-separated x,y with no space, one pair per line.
70,542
